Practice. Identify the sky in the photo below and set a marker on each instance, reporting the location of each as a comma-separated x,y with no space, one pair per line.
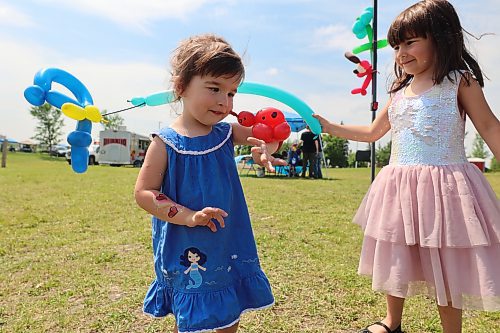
120,49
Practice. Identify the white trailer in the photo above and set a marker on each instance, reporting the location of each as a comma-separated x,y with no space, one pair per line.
122,147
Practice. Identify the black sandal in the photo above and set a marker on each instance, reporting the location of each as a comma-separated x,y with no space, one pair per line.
379,323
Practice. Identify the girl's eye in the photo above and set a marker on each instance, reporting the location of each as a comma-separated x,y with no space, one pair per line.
396,48
214,89
231,94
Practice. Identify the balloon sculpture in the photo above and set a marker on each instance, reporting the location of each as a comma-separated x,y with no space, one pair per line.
365,69
269,124
362,28
292,101
81,109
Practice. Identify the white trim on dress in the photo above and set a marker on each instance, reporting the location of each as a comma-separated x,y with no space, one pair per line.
194,152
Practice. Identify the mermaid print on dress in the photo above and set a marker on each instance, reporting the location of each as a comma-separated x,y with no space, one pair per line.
194,259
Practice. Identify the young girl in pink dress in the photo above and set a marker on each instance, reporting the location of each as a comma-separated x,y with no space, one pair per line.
431,221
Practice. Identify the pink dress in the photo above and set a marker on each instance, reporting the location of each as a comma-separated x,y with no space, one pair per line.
431,221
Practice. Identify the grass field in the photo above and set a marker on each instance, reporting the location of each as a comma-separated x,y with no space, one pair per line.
75,253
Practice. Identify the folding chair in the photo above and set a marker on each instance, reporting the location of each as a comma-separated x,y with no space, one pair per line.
248,164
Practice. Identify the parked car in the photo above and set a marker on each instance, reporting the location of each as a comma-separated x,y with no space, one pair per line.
59,150
26,149
93,155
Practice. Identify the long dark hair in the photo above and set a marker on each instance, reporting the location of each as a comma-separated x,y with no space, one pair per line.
437,20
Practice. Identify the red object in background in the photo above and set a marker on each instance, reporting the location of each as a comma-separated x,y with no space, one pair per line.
479,162
269,124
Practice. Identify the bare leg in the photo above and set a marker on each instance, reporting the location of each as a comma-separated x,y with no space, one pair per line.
451,319
394,314
231,329
175,329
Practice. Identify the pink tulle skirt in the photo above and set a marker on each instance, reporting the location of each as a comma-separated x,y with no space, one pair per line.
433,230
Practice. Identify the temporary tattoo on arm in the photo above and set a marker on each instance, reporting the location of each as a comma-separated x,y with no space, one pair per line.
163,202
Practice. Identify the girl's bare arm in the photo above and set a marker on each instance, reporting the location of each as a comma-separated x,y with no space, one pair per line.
148,195
472,100
368,133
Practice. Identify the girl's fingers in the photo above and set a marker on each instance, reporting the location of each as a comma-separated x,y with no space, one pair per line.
211,226
210,213
220,220
279,161
255,141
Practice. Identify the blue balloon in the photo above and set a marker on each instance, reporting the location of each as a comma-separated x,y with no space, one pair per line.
168,96
359,27
159,98
284,97
41,92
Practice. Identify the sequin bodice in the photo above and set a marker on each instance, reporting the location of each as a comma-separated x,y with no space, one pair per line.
427,129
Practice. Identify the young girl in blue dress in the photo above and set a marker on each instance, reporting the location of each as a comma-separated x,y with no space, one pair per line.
207,268
430,219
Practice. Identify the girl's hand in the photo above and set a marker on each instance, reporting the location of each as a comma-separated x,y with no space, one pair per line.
261,155
204,218
325,124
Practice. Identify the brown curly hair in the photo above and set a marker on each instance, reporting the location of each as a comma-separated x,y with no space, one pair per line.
202,55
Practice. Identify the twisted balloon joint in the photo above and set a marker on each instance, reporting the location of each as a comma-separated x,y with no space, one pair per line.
362,28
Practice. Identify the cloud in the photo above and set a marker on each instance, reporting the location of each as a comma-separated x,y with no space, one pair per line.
11,16
336,37
272,71
133,13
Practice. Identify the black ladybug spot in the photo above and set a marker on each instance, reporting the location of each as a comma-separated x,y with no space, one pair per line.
274,114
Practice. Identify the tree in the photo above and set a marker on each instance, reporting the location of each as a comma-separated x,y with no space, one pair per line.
495,165
114,121
479,148
50,123
336,150
383,154
242,150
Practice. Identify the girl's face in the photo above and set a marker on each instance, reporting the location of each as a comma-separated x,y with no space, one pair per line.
208,99
193,257
416,56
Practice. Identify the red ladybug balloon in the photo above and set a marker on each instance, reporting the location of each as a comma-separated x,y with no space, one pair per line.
246,118
269,124
270,117
262,132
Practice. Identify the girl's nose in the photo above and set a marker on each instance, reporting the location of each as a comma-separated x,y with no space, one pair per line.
223,100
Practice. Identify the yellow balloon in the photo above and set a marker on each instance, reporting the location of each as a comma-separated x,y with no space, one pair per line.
73,111
92,113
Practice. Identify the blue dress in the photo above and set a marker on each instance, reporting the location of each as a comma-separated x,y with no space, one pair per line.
205,279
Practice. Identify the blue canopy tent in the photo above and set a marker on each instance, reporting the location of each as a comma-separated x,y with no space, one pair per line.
9,140
295,121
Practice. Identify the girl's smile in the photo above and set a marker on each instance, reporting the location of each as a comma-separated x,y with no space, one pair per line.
415,55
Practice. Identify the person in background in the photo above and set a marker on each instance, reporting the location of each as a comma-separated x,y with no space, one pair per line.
309,151
319,157
293,160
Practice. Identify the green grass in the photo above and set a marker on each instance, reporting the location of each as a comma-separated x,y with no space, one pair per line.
75,253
